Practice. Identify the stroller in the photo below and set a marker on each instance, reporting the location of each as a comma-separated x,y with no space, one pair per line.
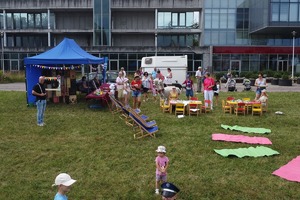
247,84
231,85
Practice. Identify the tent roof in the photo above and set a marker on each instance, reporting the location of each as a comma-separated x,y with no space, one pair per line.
66,52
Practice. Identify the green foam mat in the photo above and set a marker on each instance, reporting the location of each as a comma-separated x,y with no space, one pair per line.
247,129
258,151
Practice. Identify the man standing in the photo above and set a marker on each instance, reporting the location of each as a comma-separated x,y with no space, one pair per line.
40,93
199,79
120,86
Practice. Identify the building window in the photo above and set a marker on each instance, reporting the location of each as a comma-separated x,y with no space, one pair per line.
167,20
285,11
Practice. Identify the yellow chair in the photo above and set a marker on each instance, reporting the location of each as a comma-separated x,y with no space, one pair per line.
179,108
164,107
225,107
248,106
257,109
240,109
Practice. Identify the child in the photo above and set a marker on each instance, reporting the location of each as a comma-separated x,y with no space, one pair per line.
126,91
162,163
63,182
189,87
153,88
216,92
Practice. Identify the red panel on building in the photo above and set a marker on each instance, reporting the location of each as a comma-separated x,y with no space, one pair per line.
255,50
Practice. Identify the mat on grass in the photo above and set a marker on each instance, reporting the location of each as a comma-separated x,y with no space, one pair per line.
290,171
259,151
246,129
240,138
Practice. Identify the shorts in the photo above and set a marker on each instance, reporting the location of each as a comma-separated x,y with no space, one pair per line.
145,90
189,93
258,90
161,177
216,94
136,93
120,93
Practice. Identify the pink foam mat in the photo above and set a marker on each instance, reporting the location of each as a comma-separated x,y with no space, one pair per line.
240,138
290,171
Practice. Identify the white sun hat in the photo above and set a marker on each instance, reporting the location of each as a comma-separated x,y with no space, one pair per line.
64,179
161,149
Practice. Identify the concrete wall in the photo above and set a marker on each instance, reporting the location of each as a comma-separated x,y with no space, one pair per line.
74,20
133,40
133,20
31,4
182,4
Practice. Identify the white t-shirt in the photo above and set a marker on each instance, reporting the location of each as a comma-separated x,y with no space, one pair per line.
120,83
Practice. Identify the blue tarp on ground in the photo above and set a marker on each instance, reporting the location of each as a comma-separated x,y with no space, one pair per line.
67,52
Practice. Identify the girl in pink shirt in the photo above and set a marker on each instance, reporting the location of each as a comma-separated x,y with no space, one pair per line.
162,163
208,91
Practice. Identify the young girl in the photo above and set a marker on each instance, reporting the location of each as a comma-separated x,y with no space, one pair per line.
126,91
153,88
216,92
162,163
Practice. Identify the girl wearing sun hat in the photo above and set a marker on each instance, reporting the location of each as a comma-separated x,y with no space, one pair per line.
162,163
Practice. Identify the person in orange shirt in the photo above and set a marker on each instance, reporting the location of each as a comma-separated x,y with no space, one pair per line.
136,86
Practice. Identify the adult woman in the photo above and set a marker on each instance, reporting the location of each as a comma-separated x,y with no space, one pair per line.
173,94
261,84
136,86
168,80
208,91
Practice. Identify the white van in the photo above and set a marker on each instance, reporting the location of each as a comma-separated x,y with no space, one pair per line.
178,65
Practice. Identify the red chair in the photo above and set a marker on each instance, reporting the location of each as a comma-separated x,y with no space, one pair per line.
240,109
194,98
206,109
230,98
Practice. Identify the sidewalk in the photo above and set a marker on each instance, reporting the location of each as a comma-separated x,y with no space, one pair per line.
239,86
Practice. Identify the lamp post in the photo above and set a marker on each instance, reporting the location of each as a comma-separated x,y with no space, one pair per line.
293,59
2,51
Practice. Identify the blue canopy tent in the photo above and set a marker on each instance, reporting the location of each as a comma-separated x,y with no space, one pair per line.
68,52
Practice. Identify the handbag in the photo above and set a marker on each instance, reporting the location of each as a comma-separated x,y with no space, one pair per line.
215,88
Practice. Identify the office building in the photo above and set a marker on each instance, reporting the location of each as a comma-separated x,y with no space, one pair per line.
242,35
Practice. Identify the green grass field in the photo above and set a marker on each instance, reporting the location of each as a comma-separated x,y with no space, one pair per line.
98,149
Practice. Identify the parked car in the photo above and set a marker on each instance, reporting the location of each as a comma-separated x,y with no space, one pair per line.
111,77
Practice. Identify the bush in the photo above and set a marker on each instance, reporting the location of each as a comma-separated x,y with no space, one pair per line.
285,77
11,77
277,75
219,75
269,73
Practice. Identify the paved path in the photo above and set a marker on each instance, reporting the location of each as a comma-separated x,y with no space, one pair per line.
239,86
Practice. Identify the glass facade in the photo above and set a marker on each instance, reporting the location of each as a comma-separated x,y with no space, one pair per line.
226,22
102,22
178,20
285,11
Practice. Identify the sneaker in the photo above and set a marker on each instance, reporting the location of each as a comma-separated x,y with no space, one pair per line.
41,124
44,124
156,191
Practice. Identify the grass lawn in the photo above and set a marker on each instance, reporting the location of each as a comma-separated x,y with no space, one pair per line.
98,149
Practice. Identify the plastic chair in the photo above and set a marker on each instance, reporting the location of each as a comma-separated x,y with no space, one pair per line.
240,109
194,109
225,107
230,98
194,98
248,106
165,107
206,107
257,109
179,108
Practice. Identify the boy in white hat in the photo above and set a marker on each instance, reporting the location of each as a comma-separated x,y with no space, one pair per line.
63,182
162,163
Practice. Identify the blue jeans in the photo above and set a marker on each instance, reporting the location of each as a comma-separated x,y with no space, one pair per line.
41,107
